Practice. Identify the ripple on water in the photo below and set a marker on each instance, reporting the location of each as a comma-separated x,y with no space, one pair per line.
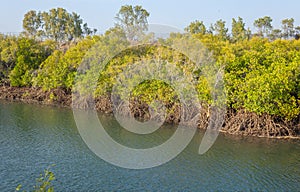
33,137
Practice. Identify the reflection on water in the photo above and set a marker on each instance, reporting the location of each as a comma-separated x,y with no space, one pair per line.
33,137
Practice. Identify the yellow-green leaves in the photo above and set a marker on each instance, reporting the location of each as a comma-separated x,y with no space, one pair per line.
264,78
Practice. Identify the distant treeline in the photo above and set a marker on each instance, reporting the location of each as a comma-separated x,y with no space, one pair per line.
239,31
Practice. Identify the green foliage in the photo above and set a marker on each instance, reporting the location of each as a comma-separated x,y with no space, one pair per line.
29,55
288,28
262,72
43,182
264,26
8,55
263,77
132,20
220,30
136,54
151,90
49,75
275,34
59,69
238,30
196,27
57,24
32,23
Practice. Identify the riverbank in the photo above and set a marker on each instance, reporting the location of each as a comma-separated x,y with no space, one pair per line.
236,122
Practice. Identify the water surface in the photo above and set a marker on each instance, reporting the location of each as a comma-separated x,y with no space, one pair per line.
32,137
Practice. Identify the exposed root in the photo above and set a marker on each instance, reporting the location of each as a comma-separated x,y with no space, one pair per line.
239,122
58,97
247,123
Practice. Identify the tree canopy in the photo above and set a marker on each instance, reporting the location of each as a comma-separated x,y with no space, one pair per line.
262,71
196,27
133,20
56,24
264,26
238,30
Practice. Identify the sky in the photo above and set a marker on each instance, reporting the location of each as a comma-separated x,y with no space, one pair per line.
100,14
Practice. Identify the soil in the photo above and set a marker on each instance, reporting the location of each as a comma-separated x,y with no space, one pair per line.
237,122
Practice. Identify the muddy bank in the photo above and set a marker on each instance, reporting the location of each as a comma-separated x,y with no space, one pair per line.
236,122
57,97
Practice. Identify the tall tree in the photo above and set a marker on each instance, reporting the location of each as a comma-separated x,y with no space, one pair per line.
297,32
57,24
238,30
220,30
133,21
32,24
275,34
288,28
248,33
196,27
264,26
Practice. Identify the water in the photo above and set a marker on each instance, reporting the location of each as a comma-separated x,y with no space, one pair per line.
32,137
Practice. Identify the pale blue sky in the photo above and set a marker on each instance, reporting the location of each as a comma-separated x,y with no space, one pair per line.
100,14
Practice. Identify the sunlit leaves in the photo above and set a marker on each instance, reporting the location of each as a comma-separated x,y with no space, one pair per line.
56,24
265,78
59,69
30,54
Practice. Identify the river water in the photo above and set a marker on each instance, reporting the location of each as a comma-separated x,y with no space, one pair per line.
32,137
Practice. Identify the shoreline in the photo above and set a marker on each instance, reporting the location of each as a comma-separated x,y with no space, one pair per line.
236,122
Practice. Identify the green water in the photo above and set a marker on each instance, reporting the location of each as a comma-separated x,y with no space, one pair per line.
32,137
